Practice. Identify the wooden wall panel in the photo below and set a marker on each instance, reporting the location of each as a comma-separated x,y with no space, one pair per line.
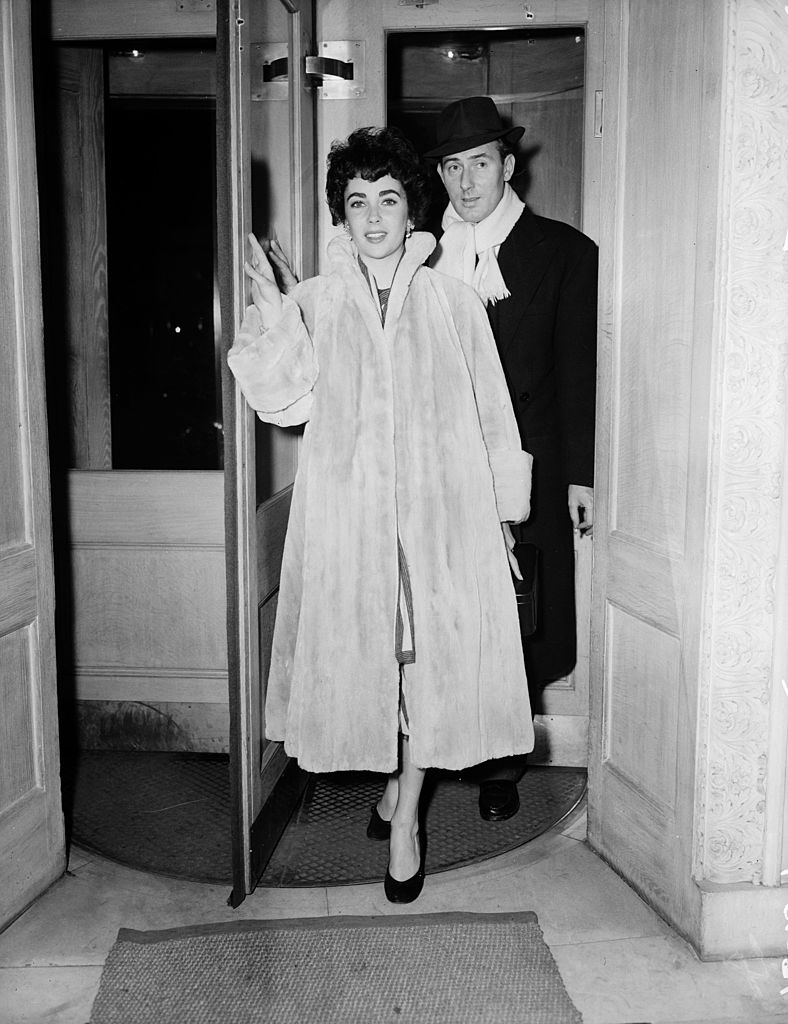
657,316
428,78
132,19
539,84
20,703
163,73
139,507
18,604
148,586
641,692
13,507
73,199
552,179
149,608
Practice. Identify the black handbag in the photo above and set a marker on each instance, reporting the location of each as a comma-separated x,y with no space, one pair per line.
525,590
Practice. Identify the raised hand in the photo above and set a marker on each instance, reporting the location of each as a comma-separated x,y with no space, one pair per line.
265,291
284,274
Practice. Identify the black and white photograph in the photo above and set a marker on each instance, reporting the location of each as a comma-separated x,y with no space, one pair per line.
394,512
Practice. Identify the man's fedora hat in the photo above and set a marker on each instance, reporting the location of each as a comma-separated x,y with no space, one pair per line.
467,123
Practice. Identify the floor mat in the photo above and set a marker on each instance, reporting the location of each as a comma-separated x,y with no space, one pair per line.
169,813
415,968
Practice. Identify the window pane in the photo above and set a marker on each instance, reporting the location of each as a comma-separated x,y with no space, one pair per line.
160,212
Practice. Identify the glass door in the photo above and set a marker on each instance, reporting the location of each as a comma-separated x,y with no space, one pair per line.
266,185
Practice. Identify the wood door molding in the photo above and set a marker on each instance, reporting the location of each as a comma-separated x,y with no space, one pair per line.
146,508
743,818
258,152
159,72
148,627
84,20
32,843
75,214
234,222
650,505
689,729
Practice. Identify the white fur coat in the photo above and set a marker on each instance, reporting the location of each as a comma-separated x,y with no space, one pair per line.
409,433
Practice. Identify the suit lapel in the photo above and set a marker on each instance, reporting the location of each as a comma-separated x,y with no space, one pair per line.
524,259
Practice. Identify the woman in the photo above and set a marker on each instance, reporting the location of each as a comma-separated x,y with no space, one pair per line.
396,646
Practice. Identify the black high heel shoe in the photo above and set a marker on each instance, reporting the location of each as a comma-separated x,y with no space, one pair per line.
378,828
410,889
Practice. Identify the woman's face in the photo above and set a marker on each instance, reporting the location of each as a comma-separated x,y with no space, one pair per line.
376,213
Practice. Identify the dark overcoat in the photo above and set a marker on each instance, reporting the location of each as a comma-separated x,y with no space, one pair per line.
546,337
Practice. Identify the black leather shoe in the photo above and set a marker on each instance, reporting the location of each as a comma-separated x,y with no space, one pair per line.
378,828
498,799
410,889
403,892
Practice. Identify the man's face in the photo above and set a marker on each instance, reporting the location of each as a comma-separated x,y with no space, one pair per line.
475,180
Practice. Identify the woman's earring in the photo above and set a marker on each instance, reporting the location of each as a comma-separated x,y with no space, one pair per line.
409,230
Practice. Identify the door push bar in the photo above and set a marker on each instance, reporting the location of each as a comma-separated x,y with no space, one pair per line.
338,71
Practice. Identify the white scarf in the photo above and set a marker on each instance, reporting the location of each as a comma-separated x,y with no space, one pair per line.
462,242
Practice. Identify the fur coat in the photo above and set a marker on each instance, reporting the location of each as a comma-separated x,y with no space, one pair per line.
410,436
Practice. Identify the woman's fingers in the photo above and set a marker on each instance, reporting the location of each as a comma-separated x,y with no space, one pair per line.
257,250
258,260
266,285
251,271
285,276
265,291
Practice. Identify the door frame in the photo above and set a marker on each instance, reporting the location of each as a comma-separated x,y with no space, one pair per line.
265,782
32,838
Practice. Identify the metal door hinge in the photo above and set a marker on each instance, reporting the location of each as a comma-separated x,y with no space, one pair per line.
598,113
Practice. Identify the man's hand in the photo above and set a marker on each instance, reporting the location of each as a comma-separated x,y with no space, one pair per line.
509,540
581,509
285,277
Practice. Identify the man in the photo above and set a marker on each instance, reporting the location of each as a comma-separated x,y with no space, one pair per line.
538,279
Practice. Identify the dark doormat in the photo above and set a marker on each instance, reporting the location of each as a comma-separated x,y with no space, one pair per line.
416,968
170,813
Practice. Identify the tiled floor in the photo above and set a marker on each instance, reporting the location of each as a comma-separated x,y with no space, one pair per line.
619,961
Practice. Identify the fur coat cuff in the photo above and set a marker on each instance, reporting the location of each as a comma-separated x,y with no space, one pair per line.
511,472
275,368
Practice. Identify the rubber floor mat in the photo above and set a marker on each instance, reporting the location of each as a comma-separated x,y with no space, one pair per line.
170,813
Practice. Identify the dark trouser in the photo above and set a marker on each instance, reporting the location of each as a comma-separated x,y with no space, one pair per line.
510,768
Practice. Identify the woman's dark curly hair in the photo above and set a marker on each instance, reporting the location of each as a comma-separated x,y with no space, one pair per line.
371,153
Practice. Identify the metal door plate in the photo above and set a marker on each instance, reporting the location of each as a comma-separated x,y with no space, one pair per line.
349,51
